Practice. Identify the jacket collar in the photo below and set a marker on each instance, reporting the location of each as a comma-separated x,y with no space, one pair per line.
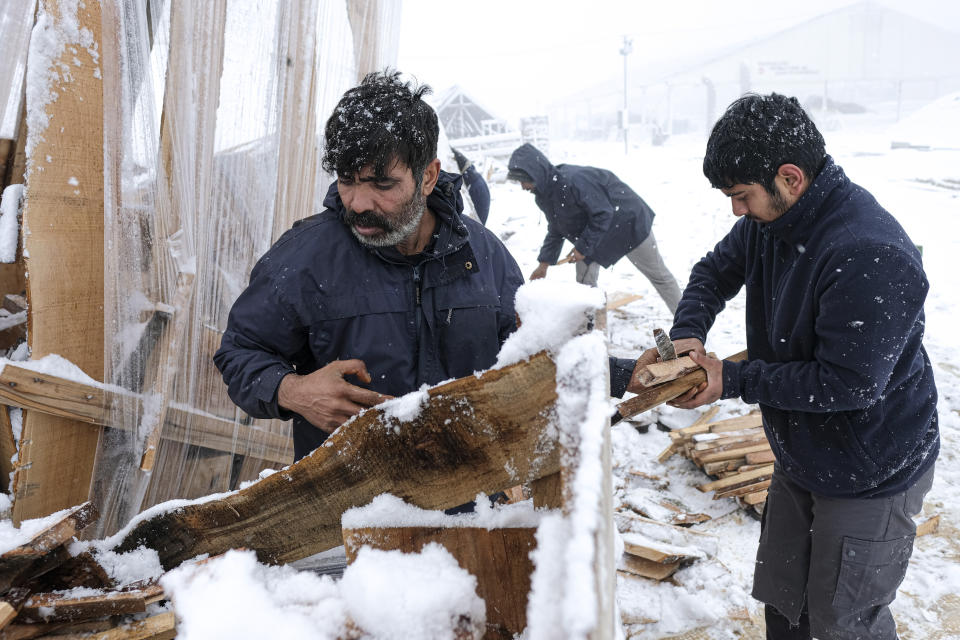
796,224
444,201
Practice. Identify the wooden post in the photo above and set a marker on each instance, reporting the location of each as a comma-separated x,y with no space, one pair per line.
64,214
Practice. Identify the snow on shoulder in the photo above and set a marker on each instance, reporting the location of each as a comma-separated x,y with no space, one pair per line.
390,511
551,313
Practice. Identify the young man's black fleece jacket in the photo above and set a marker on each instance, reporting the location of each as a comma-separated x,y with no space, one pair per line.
834,321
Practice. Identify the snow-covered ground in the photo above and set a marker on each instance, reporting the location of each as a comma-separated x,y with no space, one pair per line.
710,599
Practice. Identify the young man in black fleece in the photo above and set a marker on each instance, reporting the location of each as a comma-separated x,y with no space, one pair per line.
834,322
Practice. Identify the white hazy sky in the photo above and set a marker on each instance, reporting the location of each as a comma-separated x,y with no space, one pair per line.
517,56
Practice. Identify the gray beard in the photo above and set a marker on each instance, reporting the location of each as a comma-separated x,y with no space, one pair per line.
393,232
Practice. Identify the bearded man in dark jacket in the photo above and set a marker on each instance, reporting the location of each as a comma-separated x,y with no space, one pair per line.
598,213
389,285
835,293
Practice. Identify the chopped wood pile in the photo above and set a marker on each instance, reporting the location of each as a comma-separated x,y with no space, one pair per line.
46,592
735,451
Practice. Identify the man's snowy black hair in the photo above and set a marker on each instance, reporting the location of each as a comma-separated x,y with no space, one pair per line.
755,136
381,120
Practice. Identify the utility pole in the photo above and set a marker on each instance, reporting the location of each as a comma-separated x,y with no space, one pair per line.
625,114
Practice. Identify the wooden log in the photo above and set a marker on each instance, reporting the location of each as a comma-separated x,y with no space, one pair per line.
654,396
498,558
665,371
930,525
761,457
64,212
742,491
27,560
474,434
737,479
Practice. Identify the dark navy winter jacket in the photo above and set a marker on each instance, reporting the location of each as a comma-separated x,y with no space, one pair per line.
318,295
479,192
600,215
835,293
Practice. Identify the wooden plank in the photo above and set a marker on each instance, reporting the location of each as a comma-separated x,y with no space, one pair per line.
498,558
623,301
742,438
749,421
93,405
11,604
654,554
162,626
665,371
548,491
8,448
758,497
55,630
654,396
475,434
21,563
64,212
713,468
930,525
742,491
725,483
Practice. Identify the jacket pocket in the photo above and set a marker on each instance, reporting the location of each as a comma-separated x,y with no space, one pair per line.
871,571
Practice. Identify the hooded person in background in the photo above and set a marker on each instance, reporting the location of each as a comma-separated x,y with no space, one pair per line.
601,216
834,321
387,289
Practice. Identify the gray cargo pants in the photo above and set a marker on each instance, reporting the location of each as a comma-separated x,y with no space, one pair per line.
647,259
828,568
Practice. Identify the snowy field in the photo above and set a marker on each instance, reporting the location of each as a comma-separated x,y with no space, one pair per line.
711,599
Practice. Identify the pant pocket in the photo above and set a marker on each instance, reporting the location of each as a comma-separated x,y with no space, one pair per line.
871,571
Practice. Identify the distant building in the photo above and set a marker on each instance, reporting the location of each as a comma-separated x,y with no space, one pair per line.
463,117
857,58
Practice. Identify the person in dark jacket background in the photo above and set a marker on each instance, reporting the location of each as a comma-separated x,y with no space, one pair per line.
601,216
835,292
389,285
476,186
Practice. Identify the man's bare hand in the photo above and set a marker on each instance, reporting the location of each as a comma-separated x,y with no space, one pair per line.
324,398
575,256
704,393
540,271
682,346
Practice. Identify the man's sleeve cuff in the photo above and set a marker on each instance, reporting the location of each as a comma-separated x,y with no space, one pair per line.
621,370
731,380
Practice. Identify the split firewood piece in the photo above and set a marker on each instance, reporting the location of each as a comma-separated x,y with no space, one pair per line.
32,559
704,418
56,607
742,491
647,568
738,479
666,370
930,525
732,453
723,466
755,498
761,457
643,547
475,434
622,301
710,441
11,604
658,507
158,627
738,423
653,396
162,626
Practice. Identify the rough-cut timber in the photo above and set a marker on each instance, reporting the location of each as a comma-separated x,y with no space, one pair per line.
54,607
473,434
653,396
660,372
498,558
64,213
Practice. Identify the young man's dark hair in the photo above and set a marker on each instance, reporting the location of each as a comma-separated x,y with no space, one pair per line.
379,121
758,134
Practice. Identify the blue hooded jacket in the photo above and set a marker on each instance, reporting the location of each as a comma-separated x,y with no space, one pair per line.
835,293
590,207
318,295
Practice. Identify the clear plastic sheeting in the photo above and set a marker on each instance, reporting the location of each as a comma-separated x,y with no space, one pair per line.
212,136
16,22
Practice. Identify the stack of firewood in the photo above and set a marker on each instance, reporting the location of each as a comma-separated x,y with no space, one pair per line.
47,592
735,451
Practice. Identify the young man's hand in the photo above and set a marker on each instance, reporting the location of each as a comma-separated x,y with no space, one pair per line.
540,271
324,398
683,346
704,393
